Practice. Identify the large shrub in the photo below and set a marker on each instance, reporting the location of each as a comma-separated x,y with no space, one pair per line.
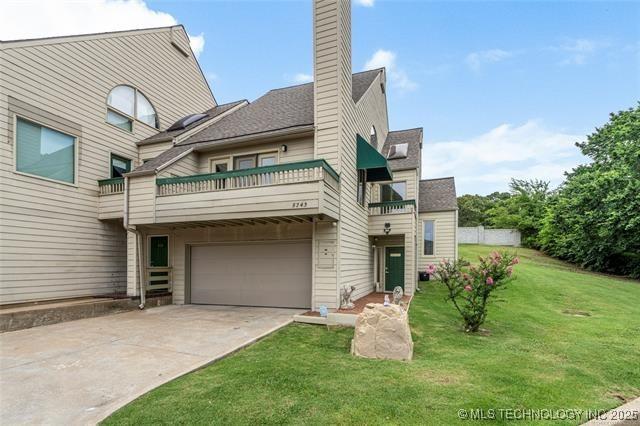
470,287
594,220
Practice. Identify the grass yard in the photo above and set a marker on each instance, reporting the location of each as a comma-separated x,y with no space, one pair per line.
556,338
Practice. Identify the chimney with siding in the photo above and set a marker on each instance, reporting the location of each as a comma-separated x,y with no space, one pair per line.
332,75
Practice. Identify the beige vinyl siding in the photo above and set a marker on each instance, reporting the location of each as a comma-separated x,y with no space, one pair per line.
445,237
111,206
180,238
298,149
408,176
185,166
67,81
265,201
152,150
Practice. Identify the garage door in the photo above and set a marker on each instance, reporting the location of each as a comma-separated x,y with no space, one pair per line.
269,274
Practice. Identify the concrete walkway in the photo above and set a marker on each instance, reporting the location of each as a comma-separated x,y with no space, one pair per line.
79,372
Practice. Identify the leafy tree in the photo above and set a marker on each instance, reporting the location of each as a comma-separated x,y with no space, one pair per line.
524,210
595,219
472,209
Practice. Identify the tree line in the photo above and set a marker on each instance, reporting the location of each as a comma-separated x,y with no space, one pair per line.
593,218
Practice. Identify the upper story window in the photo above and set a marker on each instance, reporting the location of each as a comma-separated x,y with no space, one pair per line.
395,191
45,152
126,104
119,166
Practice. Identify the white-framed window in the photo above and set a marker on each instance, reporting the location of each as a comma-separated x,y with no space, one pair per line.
249,161
394,191
119,166
429,237
126,104
45,152
219,165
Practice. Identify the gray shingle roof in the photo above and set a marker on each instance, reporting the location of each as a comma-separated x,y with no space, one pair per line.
437,195
212,113
413,138
288,108
361,81
161,159
278,109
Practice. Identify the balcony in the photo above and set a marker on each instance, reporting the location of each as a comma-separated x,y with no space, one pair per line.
290,191
110,201
392,217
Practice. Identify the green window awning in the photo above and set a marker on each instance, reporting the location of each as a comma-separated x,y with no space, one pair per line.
369,159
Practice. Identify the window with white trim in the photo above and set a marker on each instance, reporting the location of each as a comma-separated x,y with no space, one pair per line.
428,237
126,104
45,152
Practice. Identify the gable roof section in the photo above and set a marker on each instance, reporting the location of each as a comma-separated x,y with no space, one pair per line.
437,195
279,109
185,50
289,109
211,114
413,138
361,81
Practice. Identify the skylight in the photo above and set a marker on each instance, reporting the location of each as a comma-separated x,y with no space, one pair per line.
186,121
398,151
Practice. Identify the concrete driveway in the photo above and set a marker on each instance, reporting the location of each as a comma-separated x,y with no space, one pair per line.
81,371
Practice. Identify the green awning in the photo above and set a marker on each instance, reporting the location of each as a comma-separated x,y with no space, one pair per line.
369,159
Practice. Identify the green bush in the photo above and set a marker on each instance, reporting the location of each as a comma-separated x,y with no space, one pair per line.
470,287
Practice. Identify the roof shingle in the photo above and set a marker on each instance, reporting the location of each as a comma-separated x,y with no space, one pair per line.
413,138
212,113
437,195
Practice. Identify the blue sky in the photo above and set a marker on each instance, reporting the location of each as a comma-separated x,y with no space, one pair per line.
502,89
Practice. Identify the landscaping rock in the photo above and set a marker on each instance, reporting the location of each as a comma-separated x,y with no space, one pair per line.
382,332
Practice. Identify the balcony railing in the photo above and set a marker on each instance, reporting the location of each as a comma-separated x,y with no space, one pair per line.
280,174
392,207
111,186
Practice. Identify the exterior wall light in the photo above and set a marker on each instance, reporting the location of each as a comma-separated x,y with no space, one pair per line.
283,148
387,228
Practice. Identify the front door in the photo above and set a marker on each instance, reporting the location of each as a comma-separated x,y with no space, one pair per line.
394,268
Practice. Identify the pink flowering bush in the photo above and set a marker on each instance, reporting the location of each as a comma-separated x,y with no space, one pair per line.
470,286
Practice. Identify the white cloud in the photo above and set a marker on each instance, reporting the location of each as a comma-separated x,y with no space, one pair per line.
487,162
398,77
365,3
578,51
302,78
48,18
197,44
476,60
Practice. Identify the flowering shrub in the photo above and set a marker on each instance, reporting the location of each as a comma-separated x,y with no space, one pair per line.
471,286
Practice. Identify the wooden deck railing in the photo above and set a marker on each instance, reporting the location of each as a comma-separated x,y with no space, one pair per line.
392,207
158,279
301,172
111,186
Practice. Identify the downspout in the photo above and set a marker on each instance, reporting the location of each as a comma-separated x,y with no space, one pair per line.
138,242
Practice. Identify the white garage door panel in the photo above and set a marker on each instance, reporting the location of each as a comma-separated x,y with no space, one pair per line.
269,274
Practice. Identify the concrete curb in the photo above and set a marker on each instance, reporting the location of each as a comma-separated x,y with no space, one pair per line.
196,368
627,415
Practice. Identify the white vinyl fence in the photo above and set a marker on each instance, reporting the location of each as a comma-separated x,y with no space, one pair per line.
495,237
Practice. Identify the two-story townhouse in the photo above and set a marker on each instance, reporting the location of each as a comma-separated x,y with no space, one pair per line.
277,202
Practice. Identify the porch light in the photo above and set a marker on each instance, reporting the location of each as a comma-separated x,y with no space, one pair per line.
283,148
387,228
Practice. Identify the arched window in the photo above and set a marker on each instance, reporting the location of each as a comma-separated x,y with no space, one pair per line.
373,137
125,104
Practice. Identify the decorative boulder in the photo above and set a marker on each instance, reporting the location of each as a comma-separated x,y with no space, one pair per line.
382,332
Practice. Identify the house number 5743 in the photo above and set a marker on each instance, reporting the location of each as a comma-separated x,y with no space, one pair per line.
299,204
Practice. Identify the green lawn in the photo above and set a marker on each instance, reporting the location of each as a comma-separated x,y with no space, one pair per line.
536,353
